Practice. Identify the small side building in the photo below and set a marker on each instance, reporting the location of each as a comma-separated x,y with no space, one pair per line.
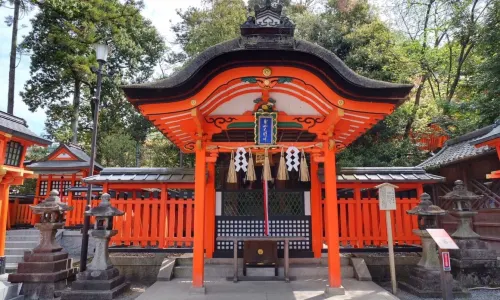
15,138
472,158
62,169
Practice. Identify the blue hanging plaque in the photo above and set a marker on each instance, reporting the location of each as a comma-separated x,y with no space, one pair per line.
265,128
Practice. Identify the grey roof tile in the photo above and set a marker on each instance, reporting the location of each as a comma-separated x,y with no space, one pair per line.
184,175
461,148
82,162
19,128
384,174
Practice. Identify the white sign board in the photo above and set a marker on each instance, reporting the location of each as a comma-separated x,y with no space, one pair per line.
442,239
387,196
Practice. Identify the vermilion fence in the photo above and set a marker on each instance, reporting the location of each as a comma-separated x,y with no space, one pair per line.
170,223
142,224
361,223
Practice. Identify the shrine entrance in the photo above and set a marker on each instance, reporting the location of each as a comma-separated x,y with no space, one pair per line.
240,209
239,106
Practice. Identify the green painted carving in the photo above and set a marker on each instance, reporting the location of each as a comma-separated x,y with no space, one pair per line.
239,125
284,79
249,79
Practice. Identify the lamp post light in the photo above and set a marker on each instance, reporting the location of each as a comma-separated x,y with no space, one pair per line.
101,51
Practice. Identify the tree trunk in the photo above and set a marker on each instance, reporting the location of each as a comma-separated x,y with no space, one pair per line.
13,54
418,95
76,112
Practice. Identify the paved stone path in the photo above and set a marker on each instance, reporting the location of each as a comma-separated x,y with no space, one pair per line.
246,290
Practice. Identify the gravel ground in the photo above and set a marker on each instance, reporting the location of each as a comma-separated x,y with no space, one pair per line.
475,294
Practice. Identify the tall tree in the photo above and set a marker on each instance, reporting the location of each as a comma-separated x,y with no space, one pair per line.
61,56
13,21
444,33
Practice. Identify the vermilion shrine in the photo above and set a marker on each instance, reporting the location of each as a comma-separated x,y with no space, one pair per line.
265,92
265,115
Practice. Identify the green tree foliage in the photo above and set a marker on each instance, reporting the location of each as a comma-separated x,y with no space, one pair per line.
117,149
486,100
60,44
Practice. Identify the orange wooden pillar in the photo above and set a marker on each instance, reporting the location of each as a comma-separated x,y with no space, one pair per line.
210,211
316,213
199,217
334,276
4,209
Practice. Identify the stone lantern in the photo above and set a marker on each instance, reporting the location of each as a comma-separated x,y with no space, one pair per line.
45,271
101,280
474,263
427,214
424,278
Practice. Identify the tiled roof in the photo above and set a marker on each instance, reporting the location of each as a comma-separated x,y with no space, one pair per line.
384,174
82,162
493,134
19,128
146,175
460,148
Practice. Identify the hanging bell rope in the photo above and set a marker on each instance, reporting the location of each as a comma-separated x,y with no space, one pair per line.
266,172
231,174
304,169
282,171
250,168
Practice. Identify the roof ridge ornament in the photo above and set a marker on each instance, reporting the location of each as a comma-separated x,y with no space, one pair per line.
269,28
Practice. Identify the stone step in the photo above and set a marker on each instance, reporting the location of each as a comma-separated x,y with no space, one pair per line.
30,238
21,244
97,295
8,291
33,232
297,271
14,258
10,267
16,251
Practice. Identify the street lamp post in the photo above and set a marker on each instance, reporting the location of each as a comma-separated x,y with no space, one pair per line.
101,51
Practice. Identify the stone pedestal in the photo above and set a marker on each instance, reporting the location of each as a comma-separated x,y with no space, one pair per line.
473,264
424,279
46,270
101,281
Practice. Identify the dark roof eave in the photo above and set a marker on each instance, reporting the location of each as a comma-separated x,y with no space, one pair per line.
184,76
31,138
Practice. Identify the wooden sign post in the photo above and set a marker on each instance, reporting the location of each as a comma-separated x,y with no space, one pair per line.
444,243
387,202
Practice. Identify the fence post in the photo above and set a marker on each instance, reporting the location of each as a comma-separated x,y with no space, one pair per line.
163,214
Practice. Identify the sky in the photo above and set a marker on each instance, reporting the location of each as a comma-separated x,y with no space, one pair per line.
160,12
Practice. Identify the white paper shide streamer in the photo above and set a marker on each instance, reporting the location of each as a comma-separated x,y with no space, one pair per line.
292,158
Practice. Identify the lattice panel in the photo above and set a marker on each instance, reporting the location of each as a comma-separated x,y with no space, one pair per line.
66,186
237,226
43,188
55,185
250,203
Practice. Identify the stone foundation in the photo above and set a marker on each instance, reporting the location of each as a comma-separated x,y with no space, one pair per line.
474,264
138,267
427,284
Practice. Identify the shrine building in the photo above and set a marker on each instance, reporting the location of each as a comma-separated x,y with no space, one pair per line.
265,115
15,138
252,101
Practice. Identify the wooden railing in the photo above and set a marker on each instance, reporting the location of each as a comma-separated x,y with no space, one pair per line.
142,225
362,224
